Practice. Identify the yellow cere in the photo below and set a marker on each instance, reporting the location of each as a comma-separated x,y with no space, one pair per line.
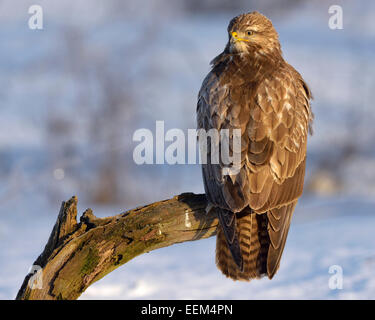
235,36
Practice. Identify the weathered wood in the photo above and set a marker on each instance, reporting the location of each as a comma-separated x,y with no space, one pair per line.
78,254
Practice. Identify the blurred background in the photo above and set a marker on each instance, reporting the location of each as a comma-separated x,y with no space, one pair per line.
73,94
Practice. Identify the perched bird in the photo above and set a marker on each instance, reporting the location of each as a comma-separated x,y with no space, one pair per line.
252,88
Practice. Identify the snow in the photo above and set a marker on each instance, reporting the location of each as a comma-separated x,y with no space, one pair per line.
342,236
322,234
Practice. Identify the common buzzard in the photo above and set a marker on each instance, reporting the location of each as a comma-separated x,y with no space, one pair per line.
252,88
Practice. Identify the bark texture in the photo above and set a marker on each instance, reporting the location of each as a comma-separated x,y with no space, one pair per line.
79,253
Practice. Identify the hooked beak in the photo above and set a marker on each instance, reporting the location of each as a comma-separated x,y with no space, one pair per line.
235,37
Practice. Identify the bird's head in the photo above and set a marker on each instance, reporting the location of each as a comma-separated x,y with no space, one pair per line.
252,33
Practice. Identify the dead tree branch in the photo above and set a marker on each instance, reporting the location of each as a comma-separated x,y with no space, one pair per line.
78,254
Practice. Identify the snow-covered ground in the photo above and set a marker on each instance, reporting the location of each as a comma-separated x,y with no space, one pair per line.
333,232
315,243
335,229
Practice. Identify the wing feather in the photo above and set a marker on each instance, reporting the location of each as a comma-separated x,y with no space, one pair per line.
274,116
278,232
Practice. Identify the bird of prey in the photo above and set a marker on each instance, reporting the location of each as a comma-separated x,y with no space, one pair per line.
252,88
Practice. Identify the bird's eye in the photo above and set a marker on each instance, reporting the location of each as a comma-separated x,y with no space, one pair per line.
249,33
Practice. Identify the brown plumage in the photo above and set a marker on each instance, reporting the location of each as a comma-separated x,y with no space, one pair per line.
252,88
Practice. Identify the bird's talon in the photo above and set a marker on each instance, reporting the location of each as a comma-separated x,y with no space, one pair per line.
209,208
